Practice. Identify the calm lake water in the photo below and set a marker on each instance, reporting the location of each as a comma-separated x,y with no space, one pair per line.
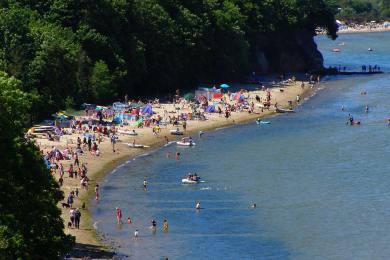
322,188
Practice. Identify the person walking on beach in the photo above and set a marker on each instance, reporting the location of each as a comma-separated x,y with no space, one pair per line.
184,126
113,141
72,215
145,184
119,215
97,192
77,216
76,160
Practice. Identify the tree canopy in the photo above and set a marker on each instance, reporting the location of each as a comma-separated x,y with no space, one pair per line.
30,222
363,10
99,50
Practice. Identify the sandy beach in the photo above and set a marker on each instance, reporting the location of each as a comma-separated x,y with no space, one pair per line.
88,242
365,30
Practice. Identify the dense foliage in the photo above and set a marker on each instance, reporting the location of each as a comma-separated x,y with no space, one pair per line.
30,223
363,10
67,52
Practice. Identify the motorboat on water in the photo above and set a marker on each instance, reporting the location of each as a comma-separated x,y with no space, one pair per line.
186,142
176,132
191,179
335,50
127,132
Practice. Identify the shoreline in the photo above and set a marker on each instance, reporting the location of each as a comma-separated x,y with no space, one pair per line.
363,30
88,241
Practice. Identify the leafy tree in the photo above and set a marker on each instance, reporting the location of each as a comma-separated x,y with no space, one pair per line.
101,81
30,223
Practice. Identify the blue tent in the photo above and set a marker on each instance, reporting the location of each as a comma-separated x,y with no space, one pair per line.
147,110
210,109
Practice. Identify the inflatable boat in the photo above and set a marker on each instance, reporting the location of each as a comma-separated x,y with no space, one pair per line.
187,181
185,143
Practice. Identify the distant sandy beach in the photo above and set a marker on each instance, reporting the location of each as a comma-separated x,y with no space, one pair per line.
99,167
365,30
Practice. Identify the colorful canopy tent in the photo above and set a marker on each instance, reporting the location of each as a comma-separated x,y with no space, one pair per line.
210,109
119,106
116,120
189,96
206,92
147,110
239,97
135,105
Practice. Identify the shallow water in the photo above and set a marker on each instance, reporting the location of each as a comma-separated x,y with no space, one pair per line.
322,188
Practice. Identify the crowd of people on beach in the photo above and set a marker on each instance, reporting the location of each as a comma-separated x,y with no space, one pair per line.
82,138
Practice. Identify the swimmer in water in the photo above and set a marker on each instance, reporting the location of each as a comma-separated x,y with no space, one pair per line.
177,156
366,109
253,205
197,205
129,221
342,108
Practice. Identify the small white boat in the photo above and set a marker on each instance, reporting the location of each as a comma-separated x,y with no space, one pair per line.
176,132
131,145
370,49
185,143
127,132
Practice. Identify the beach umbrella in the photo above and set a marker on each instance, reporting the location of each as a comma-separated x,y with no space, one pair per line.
224,86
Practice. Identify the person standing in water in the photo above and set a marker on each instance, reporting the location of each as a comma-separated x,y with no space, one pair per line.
145,184
197,205
165,225
154,226
119,215
136,234
177,156
366,109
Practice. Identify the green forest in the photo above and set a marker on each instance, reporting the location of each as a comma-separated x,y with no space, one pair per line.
363,10
67,52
